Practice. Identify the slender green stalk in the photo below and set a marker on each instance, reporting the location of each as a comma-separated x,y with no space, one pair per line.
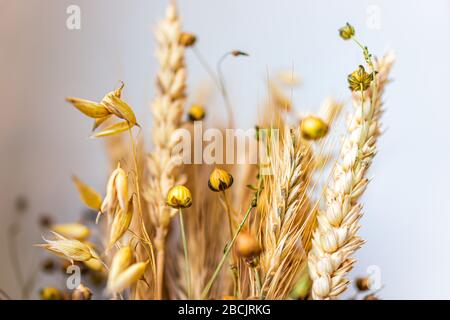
226,253
186,256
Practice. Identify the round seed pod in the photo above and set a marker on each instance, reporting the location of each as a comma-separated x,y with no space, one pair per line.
196,112
362,284
313,128
179,197
50,293
347,31
220,180
371,297
82,293
247,246
187,39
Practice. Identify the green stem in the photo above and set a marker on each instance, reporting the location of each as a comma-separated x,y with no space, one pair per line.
226,253
186,257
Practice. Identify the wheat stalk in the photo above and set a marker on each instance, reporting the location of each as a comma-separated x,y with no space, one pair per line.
167,110
336,239
287,223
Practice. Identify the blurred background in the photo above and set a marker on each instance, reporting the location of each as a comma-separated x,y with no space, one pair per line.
43,141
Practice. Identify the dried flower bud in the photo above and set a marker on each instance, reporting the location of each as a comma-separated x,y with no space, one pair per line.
48,265
347,31
120,224
220,180
45,220
313,128
363,284
237,53
21,204
76,231
72,250
179,197
50,293
196,112
187,39
247,246
359,79
127,278
82,293
371,297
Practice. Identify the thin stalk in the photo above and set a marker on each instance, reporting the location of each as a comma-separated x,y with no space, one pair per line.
159,272
233,267
228,209
186,257
258,282
226,253
138,193
224,91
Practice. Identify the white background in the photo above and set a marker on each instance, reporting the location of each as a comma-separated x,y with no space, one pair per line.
43,140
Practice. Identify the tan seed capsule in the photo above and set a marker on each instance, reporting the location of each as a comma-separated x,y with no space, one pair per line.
347,31
362,284
247,246
359,79
220,180
187,39
313,128
50,293
196,112
371,297
179,197
82,293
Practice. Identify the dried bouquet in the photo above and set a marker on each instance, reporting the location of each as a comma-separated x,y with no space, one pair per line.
278,219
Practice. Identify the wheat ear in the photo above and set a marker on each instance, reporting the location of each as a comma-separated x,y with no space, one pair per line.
336,239
167,110
287,222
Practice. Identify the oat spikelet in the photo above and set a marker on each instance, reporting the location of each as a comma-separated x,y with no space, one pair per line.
167,110
336,239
